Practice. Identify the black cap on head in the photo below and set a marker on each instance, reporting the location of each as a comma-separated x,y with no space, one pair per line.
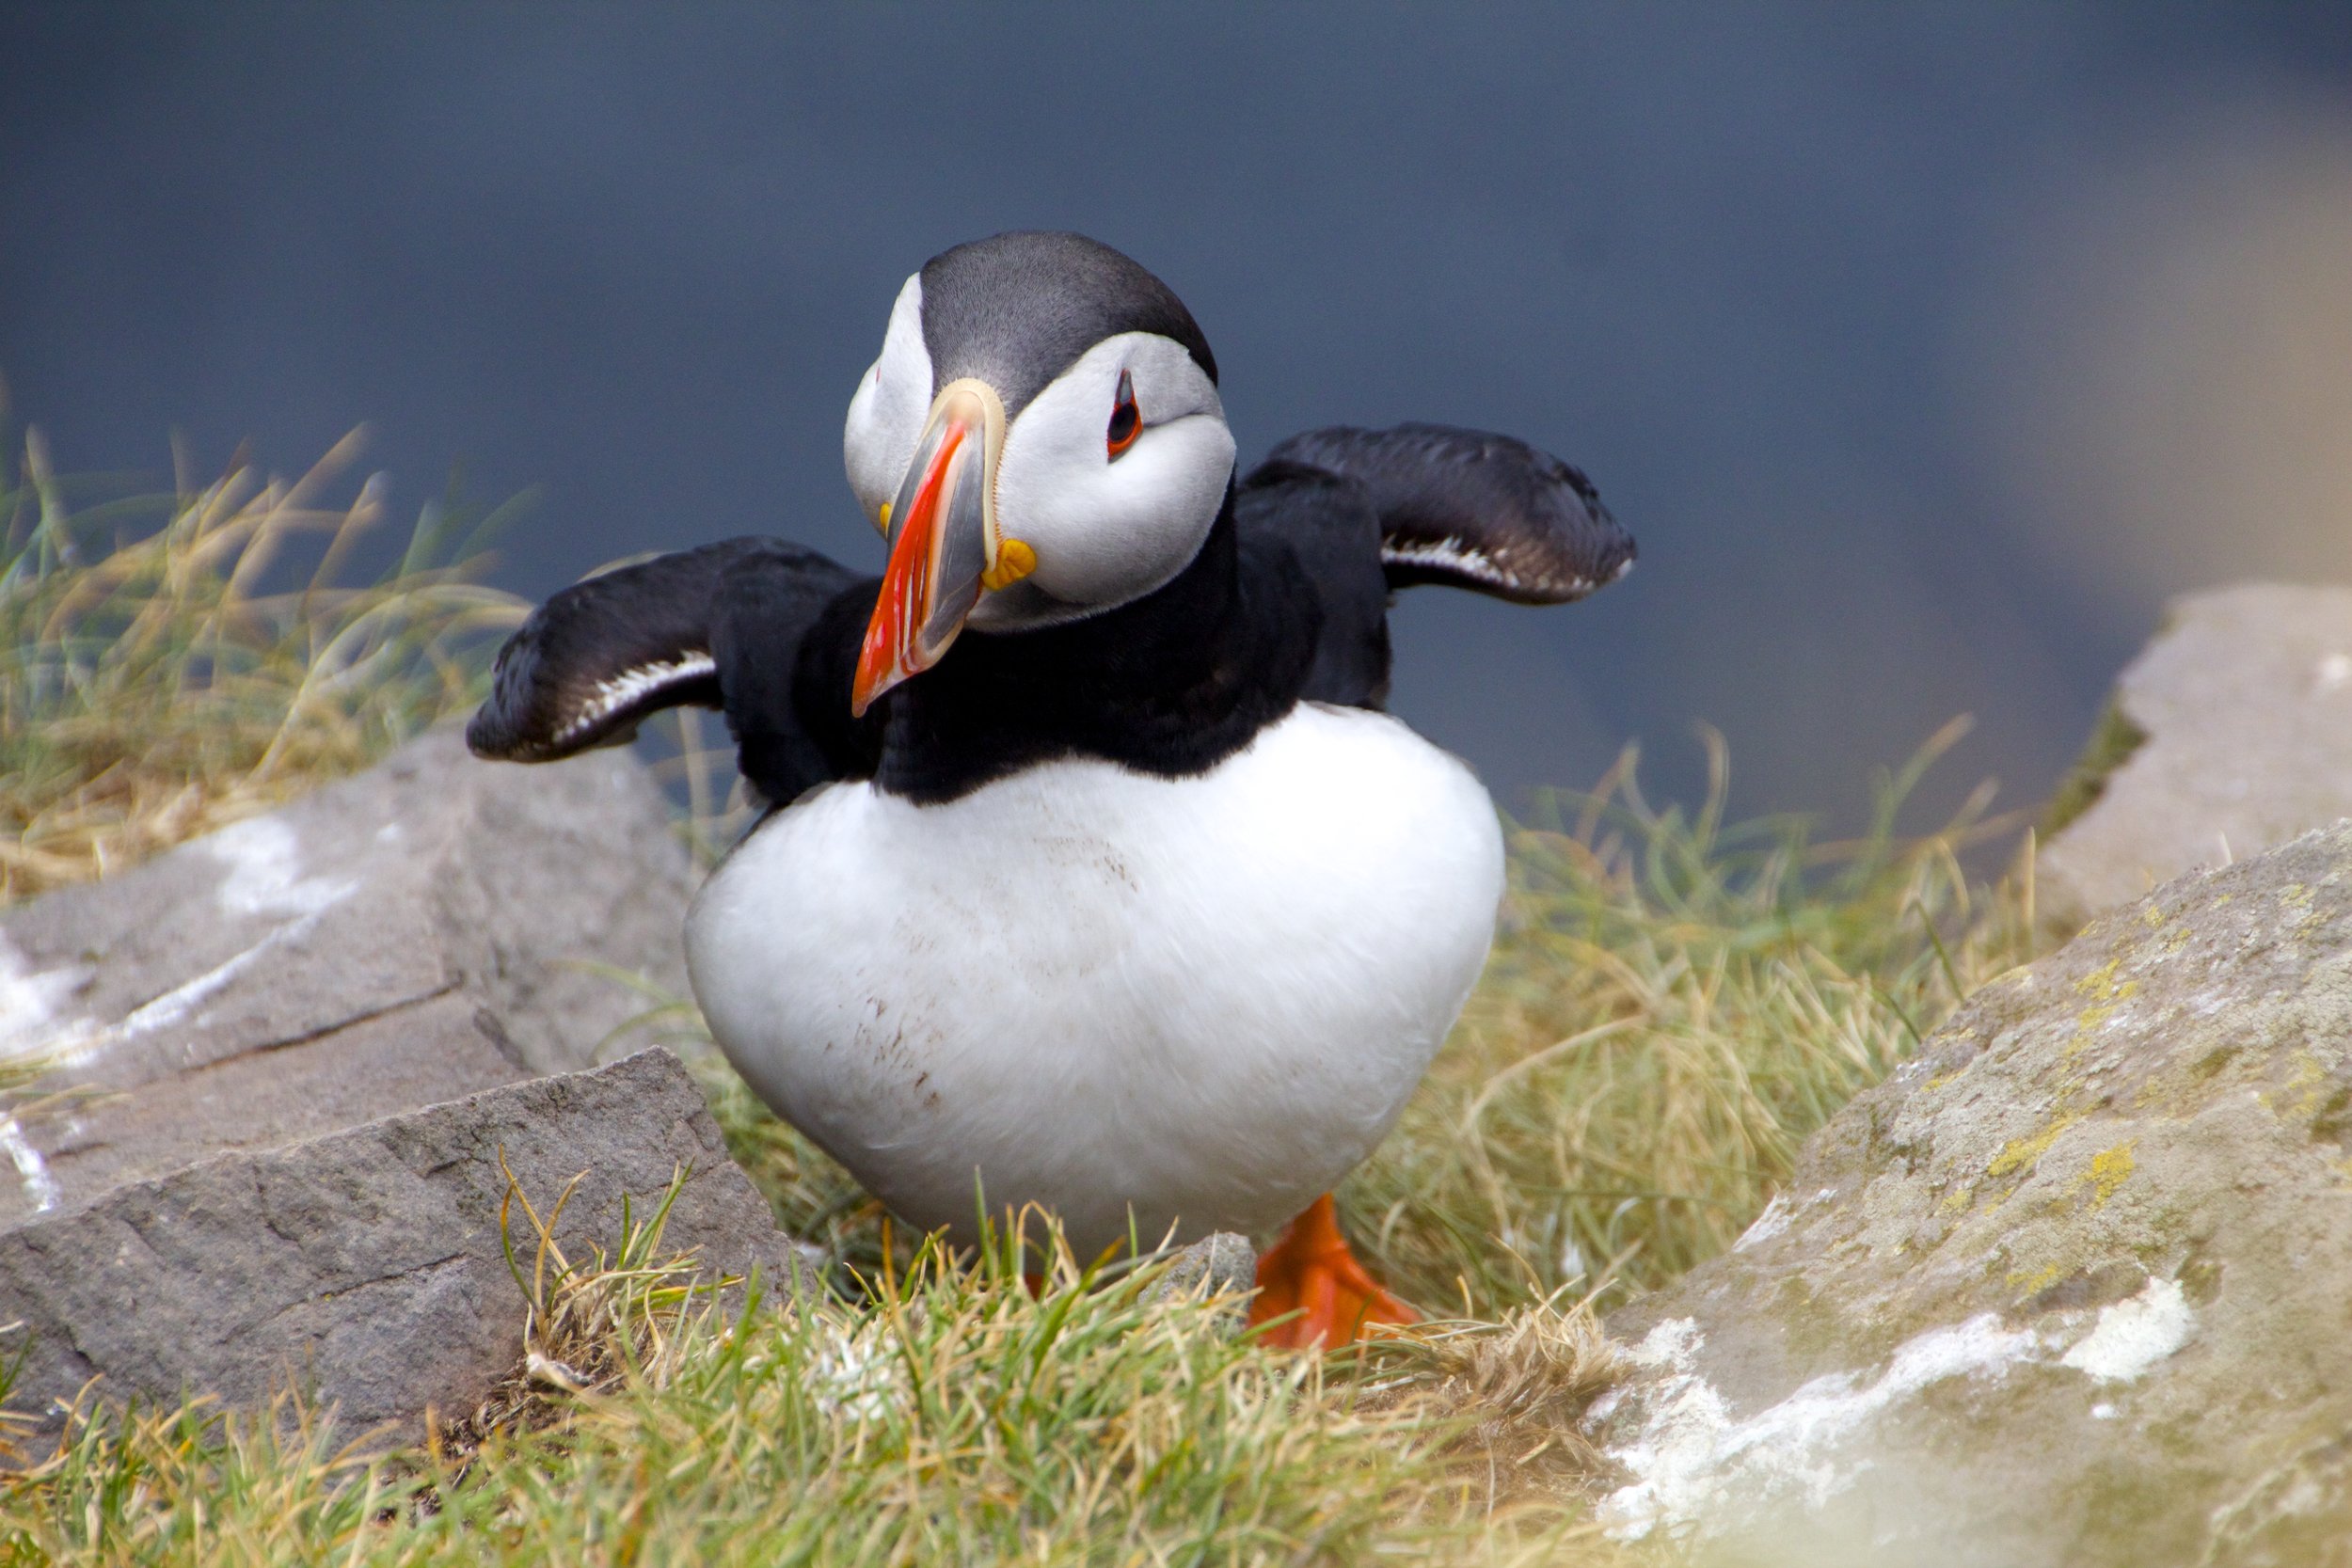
1015,311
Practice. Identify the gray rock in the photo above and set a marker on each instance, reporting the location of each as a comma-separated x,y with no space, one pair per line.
2242,706
367,1265
398,939
2074,1287
1223,1264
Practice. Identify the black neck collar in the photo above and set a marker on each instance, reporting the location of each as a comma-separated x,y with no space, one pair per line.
1170,685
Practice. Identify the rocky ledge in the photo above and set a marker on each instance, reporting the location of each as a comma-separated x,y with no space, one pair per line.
2074,1287
2229,734
426,929
275,1070
366,1268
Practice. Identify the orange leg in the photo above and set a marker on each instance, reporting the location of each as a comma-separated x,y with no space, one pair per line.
1312,1273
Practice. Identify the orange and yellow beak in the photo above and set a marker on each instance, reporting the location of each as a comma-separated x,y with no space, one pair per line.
945,547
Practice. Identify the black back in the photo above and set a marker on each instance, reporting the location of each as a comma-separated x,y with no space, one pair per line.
1170,685
1294,518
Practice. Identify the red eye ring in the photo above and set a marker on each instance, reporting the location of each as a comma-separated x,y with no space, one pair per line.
1126,418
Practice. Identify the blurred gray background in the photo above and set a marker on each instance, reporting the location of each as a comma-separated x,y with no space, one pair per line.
1923,349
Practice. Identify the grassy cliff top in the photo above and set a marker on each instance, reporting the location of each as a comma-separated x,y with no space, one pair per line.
1674,1002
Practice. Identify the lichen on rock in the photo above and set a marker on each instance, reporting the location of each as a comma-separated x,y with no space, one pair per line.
2069,1288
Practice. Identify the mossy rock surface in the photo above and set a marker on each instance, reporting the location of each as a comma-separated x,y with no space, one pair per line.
2073,1287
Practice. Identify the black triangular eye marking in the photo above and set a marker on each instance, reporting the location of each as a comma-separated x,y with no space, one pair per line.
600,657
1475,509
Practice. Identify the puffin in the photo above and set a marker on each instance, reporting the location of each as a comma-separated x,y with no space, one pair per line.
1092,875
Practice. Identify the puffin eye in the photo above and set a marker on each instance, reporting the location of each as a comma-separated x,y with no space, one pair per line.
1126,418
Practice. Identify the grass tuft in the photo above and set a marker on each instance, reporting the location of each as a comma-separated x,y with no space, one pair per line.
1514,1395
589,1325
949,1414
175,663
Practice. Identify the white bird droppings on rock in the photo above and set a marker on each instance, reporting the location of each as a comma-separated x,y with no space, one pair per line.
183,999
30,1000
31,1168
1771,1223
2133,1336
264,860
1690,1451
396,940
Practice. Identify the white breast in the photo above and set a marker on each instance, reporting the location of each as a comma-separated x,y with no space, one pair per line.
1200,1000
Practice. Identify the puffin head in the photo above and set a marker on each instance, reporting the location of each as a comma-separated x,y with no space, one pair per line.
1040,441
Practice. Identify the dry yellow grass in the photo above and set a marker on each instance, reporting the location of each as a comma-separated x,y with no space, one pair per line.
1511,1395
161,681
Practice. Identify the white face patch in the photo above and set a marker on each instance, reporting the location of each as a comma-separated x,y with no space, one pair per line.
886,415
1107,530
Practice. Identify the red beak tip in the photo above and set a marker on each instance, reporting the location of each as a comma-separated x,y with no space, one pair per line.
863,692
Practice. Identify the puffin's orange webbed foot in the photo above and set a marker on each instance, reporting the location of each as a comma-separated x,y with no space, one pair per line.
1311,1273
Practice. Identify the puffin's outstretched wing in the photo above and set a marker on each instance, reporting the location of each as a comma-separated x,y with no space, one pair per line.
1473,509
720,626
1364,512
